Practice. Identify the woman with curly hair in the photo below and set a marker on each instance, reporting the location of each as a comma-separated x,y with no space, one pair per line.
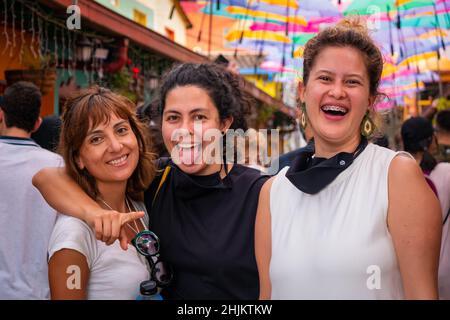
348,219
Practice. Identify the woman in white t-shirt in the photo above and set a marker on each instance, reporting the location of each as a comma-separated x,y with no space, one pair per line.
105,152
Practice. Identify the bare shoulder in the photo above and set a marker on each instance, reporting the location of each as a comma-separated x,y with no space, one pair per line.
406,182
265,190
263,240
263,212
268,184
410,197
403,169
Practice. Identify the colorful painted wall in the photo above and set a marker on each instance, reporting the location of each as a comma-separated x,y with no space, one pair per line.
163,20
267,86
126,8
158,15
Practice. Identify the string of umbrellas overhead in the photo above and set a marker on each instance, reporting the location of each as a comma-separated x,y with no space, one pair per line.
412,34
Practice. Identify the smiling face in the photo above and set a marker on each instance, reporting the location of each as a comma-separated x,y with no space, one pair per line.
110,151
337,95
187,107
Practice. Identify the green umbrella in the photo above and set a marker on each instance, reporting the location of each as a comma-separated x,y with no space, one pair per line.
427,21
302,39
364,7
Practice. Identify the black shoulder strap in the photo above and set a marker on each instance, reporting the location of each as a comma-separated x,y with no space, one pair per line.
161,182
446,217
163,168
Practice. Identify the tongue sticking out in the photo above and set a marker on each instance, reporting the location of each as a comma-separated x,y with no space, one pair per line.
190,156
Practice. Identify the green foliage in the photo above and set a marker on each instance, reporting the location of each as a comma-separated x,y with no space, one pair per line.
265,113
120,82
280,120
43,62
443,104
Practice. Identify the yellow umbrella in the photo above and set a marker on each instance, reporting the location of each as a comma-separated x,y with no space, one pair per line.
403,2
413,60
298,53
257,35
432,34
388,69
287,3
266,15
434,64
430,63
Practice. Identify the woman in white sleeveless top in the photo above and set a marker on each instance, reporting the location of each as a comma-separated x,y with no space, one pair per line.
348,220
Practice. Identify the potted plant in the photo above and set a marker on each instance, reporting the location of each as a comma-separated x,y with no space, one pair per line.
121,82
41,72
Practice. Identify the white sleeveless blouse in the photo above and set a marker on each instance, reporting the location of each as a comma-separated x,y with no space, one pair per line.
335,244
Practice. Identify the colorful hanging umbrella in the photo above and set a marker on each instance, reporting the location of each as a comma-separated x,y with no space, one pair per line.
250,14
326,8
410,34
236,35
427,21
368,7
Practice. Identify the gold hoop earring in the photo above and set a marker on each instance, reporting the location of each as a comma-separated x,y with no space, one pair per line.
367,126
303,122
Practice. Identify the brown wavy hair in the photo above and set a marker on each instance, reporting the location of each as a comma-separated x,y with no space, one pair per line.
91,107
347,33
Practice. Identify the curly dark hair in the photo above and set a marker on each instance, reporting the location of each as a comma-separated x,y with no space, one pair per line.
443,120
223,87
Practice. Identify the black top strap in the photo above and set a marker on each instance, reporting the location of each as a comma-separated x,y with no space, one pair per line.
446,217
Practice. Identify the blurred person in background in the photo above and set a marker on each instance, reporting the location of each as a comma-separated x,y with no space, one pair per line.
26,221
419,140
47,136
255,149
443,134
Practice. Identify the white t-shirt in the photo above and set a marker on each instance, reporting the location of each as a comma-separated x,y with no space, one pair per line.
26,220
441,179
115,274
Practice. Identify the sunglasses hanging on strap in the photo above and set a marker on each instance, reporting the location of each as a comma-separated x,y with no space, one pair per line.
147,244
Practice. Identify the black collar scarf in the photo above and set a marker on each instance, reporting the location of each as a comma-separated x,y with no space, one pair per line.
311,175
191,186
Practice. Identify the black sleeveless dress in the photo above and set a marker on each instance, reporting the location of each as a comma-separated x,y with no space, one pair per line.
206,228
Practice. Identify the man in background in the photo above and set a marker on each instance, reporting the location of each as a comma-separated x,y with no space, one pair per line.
26,221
